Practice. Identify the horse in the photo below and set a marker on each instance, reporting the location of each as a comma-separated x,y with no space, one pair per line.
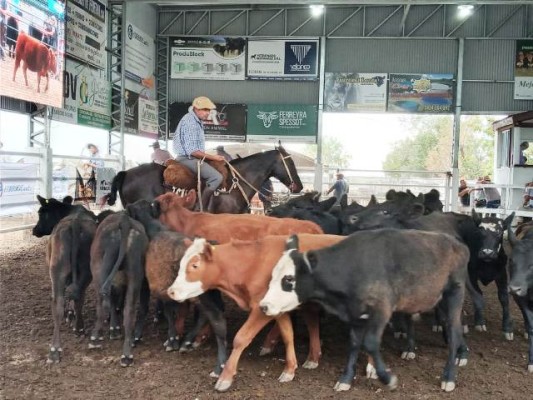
146,181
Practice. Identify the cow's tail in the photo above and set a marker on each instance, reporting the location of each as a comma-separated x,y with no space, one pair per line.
72,291
116,185
124,228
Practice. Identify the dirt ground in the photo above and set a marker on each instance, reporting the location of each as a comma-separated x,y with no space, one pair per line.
496,369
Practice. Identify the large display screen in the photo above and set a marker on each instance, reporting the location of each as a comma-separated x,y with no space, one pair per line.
32,53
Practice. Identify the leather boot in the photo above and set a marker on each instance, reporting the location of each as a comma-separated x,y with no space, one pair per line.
206,197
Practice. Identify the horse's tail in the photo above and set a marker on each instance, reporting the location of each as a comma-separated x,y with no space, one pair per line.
118,180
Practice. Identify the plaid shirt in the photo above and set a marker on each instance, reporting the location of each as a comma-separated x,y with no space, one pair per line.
189,135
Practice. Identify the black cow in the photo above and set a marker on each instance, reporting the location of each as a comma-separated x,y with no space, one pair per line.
117,266
491,266
521,278
369,275
71,229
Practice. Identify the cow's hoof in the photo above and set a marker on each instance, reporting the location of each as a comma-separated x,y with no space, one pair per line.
54,356
408,355
396,335
172,344
286,377
265,351
137,341
530,368
342,387
461,362
69,317
310,364
199,341
465,330
114,334
447,386
481,328
126,361
95,343
213,374
393,384
222,385
508,335
186,347
79,332
436,328
371,372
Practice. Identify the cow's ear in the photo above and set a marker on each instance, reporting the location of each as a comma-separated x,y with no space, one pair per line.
507,221
311,260
373,201
187,242
190,198
511,236
476,217
390,195
292,243
208,251
68,200
42,200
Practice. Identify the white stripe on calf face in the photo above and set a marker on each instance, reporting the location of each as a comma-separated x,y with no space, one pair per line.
182,289
277,300
491,226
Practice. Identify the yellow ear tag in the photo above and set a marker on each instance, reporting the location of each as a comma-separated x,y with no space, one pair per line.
46,201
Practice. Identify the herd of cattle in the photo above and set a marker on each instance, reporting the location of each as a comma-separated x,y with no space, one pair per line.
370,266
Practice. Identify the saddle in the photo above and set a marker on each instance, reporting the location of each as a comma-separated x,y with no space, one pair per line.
179,176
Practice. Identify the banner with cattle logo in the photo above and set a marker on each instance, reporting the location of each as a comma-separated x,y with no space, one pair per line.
286,122
87,97
355,92
226,123
148,118
283,59
207,57
140,55
86,31
523,70
38,26
421,93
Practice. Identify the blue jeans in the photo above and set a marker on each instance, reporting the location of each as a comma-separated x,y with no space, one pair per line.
212,176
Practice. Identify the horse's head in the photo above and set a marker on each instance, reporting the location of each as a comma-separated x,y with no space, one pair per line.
285,171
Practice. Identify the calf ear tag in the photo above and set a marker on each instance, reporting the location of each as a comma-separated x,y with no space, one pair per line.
46,201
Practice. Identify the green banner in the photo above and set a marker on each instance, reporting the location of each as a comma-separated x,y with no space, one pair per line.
287,122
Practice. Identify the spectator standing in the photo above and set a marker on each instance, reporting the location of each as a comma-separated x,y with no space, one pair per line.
464,193
266,194
339,188
159,155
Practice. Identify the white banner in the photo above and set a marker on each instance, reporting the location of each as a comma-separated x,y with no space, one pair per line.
347,91
104,178
148,121
16,188
209,57
140,54
87,31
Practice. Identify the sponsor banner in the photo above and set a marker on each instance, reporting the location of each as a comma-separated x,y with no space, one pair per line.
148,118
226,123
104,178
355,92
40,24
207,57
523,70
87,97
86,31
140,53
13,192
131,114
283,59
421,93
286,122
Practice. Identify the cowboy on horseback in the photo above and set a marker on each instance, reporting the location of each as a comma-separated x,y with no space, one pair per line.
189,146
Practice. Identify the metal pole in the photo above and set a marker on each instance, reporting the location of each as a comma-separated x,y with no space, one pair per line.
318,167
457,124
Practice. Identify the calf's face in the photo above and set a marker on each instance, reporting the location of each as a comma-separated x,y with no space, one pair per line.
188,283
281,295
50,213
521,268
492,236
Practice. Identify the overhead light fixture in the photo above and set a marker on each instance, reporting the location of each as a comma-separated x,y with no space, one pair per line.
316,9
465,10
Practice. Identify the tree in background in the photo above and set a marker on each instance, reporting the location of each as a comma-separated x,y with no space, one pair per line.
429,147
334,153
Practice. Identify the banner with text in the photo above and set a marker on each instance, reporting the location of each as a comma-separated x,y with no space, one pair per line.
207,57
226,123
523,70
286,122
140,55
18,187
421,93
148,123
87,31
37,27
283,59
87,97
355,92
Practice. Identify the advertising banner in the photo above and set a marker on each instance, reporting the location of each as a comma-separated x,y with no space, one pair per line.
87,31
17,188
226,123
148,119
355,92
87,97
207,57
523,70
421,93
140,54
38,25
283,59
286,122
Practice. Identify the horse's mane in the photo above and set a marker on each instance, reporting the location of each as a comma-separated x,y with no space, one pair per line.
236,161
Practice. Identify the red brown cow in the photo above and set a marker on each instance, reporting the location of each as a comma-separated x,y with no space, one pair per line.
205,267
36,56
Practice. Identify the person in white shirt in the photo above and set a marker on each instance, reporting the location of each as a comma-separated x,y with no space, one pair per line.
159,155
